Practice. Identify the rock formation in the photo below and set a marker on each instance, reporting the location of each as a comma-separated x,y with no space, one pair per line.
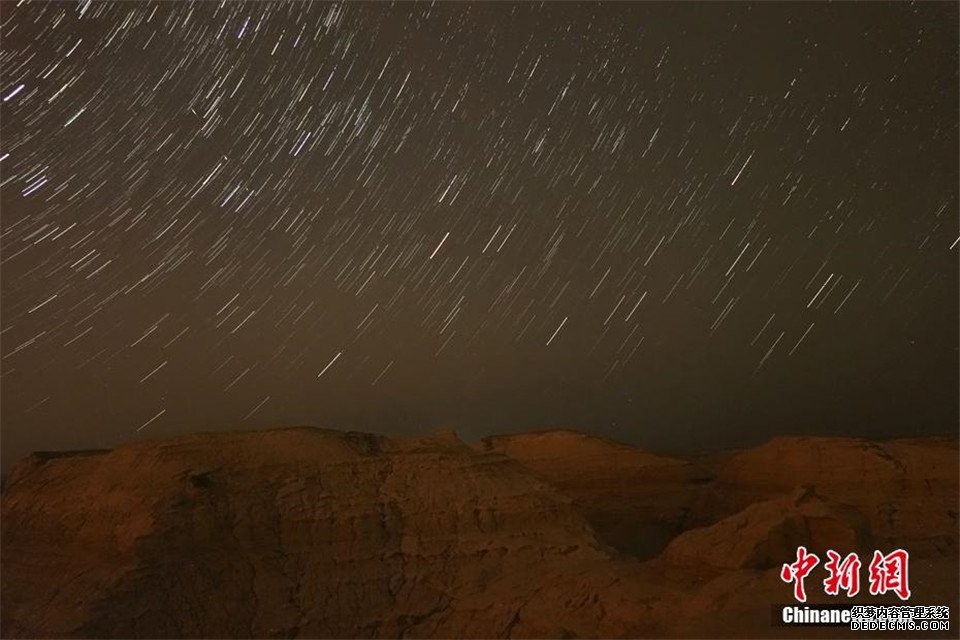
307,532
636,501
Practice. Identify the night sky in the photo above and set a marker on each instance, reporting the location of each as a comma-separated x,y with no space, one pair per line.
682,225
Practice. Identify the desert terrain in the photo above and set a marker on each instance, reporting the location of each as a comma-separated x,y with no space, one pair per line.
306,532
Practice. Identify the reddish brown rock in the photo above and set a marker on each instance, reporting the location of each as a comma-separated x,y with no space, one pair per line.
316,533
297,532
906,489
765,533
636,501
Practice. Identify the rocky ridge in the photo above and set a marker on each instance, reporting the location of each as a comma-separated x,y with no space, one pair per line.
307,532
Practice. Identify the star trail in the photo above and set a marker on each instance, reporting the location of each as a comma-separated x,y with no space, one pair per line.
675,224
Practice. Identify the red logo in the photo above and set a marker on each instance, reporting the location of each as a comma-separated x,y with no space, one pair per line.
799,570
843,574
887,573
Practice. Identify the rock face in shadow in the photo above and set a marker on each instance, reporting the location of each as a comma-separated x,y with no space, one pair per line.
296,532
315,533
636,501
907,489
763,534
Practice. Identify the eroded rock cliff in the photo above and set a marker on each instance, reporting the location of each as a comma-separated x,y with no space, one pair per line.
314,533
